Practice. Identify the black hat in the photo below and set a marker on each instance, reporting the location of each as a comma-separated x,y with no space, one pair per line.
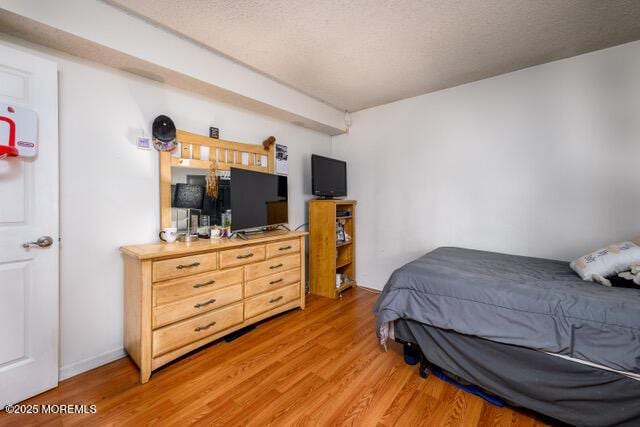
163,129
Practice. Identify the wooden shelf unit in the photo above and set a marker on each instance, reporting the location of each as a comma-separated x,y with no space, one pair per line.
327,257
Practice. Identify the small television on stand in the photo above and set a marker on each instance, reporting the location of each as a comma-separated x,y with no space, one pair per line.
259,201
328,177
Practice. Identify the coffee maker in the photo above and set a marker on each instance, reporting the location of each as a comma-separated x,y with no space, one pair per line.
188,201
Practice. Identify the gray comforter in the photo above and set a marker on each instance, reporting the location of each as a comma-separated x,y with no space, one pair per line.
535,303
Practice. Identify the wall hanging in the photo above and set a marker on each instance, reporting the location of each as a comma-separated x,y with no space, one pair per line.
212,181
282,158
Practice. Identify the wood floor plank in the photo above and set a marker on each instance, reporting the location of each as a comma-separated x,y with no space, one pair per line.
320,366
410,390
390,386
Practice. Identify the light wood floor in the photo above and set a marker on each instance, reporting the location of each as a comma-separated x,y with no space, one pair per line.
320,366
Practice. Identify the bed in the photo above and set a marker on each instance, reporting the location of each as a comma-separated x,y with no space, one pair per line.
526,329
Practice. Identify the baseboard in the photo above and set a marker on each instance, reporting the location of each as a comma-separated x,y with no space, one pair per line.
90,363
372,290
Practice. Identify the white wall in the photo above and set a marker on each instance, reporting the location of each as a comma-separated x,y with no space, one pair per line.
149,50
109,193
542,162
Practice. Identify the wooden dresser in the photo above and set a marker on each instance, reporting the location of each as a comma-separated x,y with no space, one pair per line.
180,296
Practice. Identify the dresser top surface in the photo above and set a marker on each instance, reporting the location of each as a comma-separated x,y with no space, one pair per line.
335,201
162,249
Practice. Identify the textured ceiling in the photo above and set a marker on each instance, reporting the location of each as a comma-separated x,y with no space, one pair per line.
355,54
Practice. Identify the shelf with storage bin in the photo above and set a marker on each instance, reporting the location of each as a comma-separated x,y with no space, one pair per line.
329,256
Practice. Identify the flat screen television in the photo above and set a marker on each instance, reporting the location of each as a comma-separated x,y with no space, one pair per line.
328,177
257,200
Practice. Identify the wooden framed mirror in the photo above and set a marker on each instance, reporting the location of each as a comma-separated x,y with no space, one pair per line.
196,154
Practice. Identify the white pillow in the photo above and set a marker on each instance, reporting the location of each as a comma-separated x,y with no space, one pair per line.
607,261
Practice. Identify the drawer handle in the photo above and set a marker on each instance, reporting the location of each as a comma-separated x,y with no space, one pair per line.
276,266
202,304
273,282
181,266
244,256
203,327
284,248
275,299
202,285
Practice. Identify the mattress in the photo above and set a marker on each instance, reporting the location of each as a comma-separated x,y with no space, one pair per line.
571,392
534,303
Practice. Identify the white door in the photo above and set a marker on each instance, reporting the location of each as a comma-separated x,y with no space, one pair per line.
29,210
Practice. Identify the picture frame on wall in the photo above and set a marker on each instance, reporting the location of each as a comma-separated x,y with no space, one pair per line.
282,157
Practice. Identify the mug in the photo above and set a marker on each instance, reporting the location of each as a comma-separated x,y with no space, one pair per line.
170,234
216,233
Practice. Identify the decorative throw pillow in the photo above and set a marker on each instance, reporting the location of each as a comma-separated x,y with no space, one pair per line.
613,259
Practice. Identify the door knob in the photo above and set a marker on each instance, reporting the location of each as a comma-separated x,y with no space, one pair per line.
43,242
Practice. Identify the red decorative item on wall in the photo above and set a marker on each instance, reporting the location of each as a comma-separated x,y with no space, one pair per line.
9,149
22,126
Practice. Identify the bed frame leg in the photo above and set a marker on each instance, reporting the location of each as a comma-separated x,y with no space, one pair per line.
424,366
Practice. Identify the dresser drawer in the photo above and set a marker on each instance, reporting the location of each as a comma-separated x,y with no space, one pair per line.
241,256
283,248
267,301
170,313
275,265
177,289
184,266
271,282
191,330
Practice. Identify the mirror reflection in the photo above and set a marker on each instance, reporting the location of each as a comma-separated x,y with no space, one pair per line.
191,207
